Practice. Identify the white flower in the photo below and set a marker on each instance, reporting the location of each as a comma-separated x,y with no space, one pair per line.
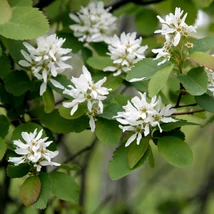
140,117
34,150
210,76
47,60
93,23
82,90
163,52
125,51
174,27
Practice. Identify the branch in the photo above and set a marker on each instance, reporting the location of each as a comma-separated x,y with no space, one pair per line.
121,3
87,148
43,3
102,204
188,112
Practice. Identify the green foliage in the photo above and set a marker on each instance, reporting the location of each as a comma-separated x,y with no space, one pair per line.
27,22
4,126
5,68
195,82
206,102
175,151
136,152
48,100
18,171
146,21
159,79
108,131
65,112
30,190
26,3
64,187
17,83
3,148
204,3
46,187
99,62
118,167
5,12
144,68
203,44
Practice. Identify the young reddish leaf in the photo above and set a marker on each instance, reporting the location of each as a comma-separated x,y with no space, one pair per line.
136,152
46,185
30,190
203,59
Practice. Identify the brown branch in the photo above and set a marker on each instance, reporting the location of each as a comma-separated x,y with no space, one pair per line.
121,3
188,112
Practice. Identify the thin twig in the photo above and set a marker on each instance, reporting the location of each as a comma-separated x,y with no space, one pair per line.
102,204
188,112
121,3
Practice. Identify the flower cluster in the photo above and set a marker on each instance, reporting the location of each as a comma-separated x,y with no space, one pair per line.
82,90
47,60
210,76
34,151
94,23
174,29
125,51
140,116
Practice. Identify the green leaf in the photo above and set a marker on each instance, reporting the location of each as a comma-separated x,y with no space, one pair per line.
118,167
136,152
18,171
175,151
45,191
99,62
4,126
26,23
17,83
15,48
144,68
146,21
173,125
71,41
151,158
48,100
110,111
3,148
159,79
70,167
203,59
195,82
14,3
5,12
5,68
113,82
204,3
202,45
108,131
29,190
206,102
64,187
65,112
61,125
